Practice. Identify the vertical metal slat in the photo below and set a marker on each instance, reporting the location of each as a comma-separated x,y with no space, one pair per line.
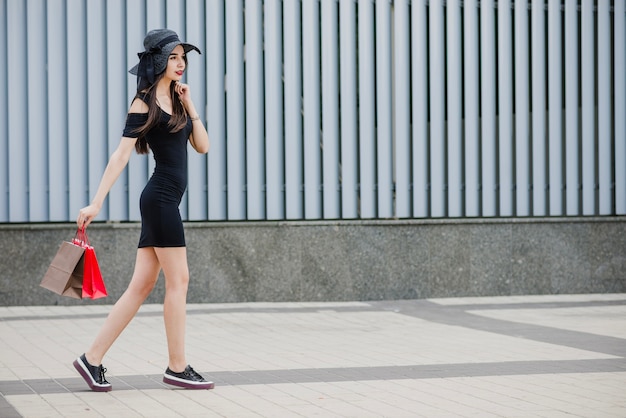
274,148
155,14
255,117
17,121
605,128
488,107
620,107
588,107
5,157
311,90
572,166
472,106
538,108
402,109
58,163
349,127
235,151
330,109
505,107
367,110
455,109
555,99
419,93
437,109
215,63
175,16
522,135
384,132
38,112
294,180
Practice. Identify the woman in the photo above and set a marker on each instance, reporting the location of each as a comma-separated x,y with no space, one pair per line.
162,117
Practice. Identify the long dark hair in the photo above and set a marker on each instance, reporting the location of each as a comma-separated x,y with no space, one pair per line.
178,118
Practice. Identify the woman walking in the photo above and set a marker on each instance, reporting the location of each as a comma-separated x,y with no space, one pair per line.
162,118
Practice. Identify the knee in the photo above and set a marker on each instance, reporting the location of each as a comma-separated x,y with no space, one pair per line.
142,289
180,283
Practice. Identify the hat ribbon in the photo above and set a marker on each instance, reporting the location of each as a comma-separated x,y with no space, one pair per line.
146,58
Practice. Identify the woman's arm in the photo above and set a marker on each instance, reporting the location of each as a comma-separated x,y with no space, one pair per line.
117,163
199,137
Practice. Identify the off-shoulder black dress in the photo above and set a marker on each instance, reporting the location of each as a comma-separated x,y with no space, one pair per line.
161,224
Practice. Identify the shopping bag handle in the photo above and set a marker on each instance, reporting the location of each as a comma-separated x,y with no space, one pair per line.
81,237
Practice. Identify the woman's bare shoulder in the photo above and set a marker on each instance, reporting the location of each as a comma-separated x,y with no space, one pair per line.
139,105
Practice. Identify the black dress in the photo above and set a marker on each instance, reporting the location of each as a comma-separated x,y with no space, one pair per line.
161,224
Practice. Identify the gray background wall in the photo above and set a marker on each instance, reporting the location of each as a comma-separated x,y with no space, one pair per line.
346,260
384,133
338,109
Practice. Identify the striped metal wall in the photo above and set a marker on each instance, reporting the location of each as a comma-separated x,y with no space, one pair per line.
326,109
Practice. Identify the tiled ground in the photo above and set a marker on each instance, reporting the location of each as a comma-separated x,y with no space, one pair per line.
537,356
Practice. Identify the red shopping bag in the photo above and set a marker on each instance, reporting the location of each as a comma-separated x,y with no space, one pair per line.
93,284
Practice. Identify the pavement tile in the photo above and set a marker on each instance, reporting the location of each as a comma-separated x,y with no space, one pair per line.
543,356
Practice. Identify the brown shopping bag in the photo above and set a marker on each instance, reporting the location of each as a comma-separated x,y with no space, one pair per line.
65,273
74,271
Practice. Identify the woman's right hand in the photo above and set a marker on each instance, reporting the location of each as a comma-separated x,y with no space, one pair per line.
86,215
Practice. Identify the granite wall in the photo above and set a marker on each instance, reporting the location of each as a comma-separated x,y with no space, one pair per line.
346,260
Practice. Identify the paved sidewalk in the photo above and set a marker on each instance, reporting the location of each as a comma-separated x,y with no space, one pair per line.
534,356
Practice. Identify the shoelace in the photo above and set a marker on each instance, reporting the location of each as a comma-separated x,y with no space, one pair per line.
193,374
102,371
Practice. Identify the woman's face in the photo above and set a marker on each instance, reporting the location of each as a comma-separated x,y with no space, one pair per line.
176,64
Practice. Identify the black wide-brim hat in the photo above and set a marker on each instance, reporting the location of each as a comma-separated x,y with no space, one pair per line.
158,45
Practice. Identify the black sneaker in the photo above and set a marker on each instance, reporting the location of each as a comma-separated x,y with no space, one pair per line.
187,379
93,375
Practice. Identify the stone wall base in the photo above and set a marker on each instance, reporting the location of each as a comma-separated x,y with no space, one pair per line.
343,260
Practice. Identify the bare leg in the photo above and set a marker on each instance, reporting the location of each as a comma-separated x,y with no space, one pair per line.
144,278
174,264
